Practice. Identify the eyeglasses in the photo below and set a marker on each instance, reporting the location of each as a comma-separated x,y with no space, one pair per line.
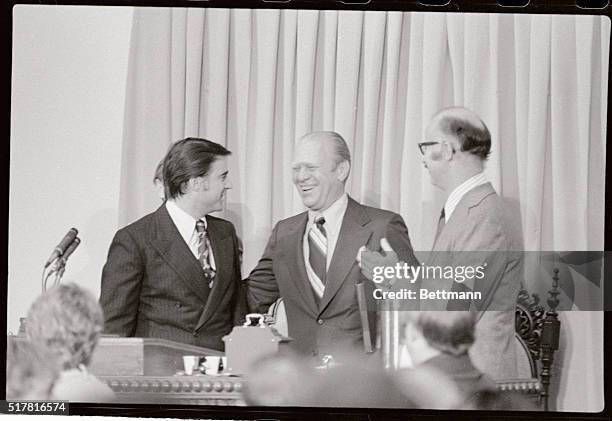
423,145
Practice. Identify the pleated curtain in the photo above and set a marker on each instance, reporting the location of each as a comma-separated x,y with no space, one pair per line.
257,80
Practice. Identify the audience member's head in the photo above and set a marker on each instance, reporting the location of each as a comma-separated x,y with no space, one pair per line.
29,374
278,380
290,380
356,384
430,333
65,323
158,180
429,388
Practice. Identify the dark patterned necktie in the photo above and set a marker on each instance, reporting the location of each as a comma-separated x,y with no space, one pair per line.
441,223
317,243
204,253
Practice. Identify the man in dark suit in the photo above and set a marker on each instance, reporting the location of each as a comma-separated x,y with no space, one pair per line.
310,259
175,273
476,229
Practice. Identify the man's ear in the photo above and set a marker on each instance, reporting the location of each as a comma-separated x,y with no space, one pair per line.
342,170
199,183
448,150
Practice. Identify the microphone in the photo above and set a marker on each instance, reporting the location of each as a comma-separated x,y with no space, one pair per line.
62,246
71,248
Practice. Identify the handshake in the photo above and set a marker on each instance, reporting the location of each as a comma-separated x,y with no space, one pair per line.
370,261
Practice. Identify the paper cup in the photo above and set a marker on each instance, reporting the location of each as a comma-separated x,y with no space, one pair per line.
191,362
212,365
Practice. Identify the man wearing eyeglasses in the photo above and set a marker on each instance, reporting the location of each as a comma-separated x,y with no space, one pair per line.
475,230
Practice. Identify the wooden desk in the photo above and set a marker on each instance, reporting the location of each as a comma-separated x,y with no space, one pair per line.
186,390
143,370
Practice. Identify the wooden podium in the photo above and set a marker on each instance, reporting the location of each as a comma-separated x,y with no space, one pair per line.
143,370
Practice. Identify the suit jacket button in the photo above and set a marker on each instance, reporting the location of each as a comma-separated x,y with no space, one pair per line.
320,321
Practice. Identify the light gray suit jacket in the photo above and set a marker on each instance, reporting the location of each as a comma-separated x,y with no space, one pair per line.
482,232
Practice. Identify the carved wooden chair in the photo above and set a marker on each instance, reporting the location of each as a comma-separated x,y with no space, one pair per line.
537,339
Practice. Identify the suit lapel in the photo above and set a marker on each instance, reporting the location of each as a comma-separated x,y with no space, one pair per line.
353,234
471,199
172,248
222,248
292,246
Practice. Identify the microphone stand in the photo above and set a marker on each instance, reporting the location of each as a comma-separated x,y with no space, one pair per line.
58,266
56,269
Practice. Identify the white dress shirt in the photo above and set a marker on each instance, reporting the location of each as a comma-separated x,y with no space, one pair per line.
457,194
186,226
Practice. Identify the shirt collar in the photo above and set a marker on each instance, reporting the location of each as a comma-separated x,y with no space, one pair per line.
333,215
184,222
457,194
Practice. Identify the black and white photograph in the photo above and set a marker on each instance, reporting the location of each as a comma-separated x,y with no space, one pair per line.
242,207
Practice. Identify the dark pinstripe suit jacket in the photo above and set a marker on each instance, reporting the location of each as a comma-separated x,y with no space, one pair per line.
153,286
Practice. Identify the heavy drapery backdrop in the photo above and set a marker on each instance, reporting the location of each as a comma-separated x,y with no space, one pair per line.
257,80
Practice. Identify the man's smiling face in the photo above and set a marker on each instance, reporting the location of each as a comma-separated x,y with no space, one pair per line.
316,174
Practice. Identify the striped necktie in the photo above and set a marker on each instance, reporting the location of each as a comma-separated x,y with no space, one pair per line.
317,244
204,253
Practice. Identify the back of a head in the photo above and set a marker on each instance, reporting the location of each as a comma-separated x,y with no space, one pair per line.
29,373
428,388
277,380
65,322
353,385
451,332
188,158
468,128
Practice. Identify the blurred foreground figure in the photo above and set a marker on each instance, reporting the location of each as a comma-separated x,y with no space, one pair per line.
29,375
64,324
281,380
439,341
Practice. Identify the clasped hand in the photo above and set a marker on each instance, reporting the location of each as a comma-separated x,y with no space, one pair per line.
369,260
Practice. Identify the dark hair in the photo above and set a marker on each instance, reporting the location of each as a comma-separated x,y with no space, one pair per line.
473,139
451,332
159,171
188,158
